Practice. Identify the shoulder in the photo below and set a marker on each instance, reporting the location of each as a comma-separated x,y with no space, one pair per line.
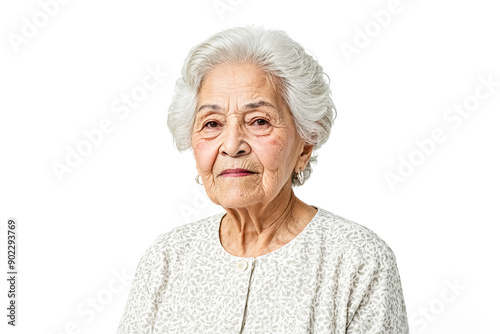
356,239
182,237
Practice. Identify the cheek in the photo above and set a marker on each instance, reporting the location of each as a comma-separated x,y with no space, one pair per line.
205,153
274,153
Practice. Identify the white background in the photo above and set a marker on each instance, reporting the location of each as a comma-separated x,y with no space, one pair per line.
78,234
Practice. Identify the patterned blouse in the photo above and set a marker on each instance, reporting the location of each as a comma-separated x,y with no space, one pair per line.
335,276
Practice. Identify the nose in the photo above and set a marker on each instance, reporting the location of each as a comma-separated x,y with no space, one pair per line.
234,142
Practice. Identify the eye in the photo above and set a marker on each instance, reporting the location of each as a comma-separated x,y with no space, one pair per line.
260,122
211,124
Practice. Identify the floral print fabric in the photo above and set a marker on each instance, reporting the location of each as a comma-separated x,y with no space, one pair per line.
335,276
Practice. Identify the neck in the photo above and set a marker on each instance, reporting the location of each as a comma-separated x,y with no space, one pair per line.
261,228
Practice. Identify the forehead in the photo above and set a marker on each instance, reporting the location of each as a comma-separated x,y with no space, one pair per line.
243,81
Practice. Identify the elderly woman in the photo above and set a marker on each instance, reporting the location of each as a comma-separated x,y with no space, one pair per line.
253,106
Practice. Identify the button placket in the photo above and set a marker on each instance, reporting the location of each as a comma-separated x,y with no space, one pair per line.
246,268
242,265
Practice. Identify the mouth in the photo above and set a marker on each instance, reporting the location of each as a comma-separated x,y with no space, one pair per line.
236,172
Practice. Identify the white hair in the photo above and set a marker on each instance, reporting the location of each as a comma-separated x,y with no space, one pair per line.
300,77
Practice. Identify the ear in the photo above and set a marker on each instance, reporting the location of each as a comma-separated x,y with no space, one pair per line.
304,157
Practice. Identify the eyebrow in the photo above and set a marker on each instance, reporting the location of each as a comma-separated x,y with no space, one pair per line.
252,105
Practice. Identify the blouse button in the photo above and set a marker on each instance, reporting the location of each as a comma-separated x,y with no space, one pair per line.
242,265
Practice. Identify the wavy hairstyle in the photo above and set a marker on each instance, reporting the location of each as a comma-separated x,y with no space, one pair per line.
301,79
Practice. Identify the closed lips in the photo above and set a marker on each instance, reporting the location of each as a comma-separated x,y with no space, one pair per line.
236,171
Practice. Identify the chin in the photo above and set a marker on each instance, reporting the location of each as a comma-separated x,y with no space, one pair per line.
236,198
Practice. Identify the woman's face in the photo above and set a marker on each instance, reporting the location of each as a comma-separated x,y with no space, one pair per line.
242,123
